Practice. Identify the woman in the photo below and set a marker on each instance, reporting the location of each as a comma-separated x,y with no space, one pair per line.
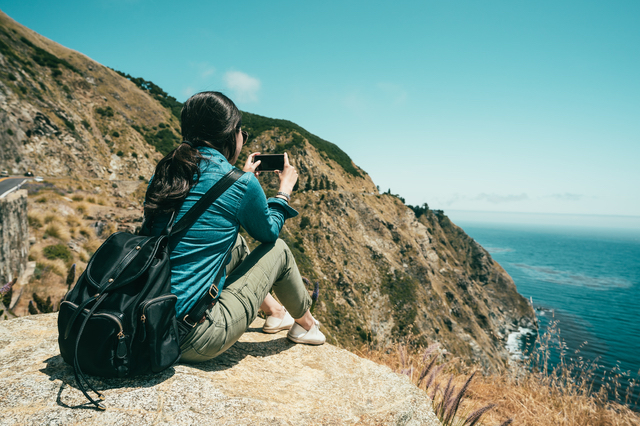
212,141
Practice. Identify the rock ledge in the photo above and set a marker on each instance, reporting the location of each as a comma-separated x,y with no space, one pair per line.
262,380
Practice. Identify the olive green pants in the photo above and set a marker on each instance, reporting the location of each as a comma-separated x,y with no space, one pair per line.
250,277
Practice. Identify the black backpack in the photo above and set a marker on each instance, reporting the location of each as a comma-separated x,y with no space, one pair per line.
119,319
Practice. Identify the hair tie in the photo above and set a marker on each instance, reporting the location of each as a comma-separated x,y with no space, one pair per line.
188,143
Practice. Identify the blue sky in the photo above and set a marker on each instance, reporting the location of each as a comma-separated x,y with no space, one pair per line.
499,106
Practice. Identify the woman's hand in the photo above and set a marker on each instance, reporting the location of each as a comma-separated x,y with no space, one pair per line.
288,176
250,166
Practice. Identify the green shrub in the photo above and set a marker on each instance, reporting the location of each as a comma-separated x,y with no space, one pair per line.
12,77
105,112
86,124
134,154
115,134
69,124
164,140
10,132
119,153
58,251
304,222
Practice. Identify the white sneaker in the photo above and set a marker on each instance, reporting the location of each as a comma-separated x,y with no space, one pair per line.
314,336
273,324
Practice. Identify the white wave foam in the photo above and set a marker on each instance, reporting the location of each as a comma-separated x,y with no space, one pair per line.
515,342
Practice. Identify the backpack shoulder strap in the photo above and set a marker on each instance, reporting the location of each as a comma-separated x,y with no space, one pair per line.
203,203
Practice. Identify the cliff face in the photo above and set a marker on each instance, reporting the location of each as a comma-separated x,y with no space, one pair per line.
14,236
384,273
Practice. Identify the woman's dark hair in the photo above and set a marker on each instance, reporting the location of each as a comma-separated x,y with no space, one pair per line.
208,119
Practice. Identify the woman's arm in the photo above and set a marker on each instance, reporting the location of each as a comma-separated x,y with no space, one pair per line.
261,218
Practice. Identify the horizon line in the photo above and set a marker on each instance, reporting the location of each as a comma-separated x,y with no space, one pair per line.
542,214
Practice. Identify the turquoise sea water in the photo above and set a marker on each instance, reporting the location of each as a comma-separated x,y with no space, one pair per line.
587,279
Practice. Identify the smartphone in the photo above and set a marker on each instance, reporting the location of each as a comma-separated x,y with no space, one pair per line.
269,162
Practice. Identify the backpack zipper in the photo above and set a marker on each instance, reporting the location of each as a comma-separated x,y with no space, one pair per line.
143,317
104,314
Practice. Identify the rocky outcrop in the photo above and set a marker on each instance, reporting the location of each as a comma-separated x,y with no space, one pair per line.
14,236
262,380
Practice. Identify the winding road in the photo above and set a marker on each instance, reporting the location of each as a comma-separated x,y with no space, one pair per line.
10,184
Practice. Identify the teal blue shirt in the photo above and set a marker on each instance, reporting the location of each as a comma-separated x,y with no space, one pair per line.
200,252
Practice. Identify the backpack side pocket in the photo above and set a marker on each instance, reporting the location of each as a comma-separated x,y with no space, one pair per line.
158,334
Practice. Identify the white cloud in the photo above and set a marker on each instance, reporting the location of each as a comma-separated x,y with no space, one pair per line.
498,199
188,91
355,103
207,72
394,91
244,87
567,196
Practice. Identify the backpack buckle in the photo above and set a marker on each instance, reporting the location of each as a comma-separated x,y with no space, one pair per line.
184,320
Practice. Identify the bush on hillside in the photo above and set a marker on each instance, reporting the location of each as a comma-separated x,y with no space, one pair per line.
58,251
105,112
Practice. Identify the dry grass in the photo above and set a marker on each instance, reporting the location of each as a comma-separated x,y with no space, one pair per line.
50,218
92,245
73,220
35,220
82,208
57,230
530,393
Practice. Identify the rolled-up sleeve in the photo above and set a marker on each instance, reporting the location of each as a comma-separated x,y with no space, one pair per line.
261,218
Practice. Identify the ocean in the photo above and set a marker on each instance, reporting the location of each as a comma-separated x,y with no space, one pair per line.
583,279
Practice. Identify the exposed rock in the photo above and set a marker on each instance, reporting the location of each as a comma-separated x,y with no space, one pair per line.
262,380
14,236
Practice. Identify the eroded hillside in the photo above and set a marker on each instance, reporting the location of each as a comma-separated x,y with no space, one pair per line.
63,114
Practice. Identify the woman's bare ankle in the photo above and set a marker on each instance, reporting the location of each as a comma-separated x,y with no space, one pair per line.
276,312
306,321
272,308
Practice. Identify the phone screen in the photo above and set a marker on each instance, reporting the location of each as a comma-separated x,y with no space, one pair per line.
269,162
